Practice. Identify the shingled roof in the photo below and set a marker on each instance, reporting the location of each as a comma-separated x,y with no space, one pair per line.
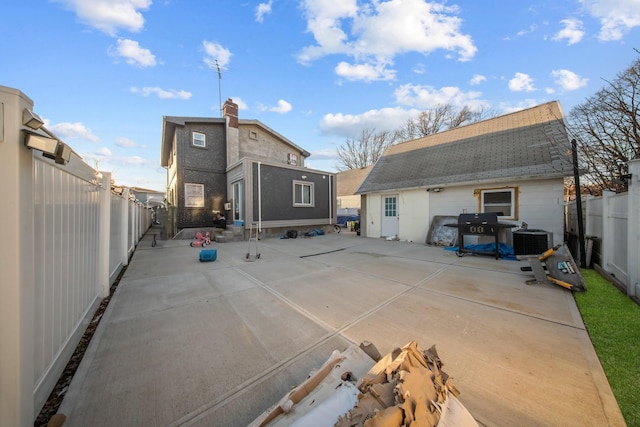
349,181
526,144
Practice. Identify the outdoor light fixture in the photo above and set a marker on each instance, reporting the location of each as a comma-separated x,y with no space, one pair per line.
48,146
434,190
63,153
304,176
31,119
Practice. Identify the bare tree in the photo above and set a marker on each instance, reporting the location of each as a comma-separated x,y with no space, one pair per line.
607,130
438,119
363,151
369,146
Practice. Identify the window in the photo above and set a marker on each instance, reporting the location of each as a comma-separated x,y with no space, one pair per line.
199,140
253,134
302,193
501,201
194,195
238,200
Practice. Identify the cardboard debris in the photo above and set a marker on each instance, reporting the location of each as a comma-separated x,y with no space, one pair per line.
406,387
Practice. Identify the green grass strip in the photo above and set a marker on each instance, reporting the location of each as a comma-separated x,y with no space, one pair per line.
613,323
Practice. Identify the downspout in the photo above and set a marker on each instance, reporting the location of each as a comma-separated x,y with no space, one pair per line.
330,202
259,199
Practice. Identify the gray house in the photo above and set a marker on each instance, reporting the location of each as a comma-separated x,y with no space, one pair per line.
246,170
514,165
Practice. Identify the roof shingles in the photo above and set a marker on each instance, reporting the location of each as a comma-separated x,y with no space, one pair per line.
528,143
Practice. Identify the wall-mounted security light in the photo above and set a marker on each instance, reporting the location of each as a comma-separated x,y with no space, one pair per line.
48,146
304,176
63,153
434,190
31,119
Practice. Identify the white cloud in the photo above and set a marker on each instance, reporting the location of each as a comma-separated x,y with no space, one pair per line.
216,52
134,54
262,10
126,142
135,160
348,125
283,107
73,131
427,97
521,83
477,79
569,80
376,32
365,72
239,102
573,31
103,152
616,17
161,93
507,108
110,15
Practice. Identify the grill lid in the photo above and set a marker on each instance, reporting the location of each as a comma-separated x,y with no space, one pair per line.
478,218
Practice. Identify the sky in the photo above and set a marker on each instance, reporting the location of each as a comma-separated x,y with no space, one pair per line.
103,73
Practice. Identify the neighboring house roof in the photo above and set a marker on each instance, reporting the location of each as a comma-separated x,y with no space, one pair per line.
169,124
348,182
526,144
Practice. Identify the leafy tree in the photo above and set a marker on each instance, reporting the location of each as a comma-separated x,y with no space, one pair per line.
607,131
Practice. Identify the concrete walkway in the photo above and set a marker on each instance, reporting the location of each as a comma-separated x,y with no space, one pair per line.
216,344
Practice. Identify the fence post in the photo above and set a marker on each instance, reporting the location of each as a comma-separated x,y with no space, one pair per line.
633,229
16,264
607,230
124,244
105,233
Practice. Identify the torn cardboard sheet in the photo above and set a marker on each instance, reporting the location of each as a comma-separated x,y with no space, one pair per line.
406,387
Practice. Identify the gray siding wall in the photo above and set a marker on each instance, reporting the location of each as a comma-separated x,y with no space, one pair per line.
277,193
201,166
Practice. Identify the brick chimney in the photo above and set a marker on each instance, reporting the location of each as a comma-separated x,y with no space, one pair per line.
230,110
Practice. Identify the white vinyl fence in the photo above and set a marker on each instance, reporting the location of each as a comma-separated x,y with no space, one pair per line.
612,223
65,238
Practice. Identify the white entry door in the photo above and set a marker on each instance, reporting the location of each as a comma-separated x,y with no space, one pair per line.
390,223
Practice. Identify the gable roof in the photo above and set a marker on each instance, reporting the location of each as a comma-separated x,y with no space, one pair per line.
525,144
169,124
348,182
258,123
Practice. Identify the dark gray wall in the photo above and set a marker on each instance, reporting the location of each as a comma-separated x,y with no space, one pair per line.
201,166
277,193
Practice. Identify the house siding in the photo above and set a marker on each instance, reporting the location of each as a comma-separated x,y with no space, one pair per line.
277,194
540,205
265,145
205,166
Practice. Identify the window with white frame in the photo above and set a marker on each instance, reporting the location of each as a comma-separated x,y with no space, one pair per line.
501,201
199,139
194,195
303,193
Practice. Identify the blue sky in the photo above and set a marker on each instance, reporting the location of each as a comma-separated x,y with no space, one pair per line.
103,73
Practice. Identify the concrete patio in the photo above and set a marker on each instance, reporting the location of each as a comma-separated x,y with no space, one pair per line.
216,344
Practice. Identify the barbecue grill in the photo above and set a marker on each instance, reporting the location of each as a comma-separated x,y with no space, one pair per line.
478,224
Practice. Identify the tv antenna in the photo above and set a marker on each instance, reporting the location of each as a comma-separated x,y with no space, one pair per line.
219,87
